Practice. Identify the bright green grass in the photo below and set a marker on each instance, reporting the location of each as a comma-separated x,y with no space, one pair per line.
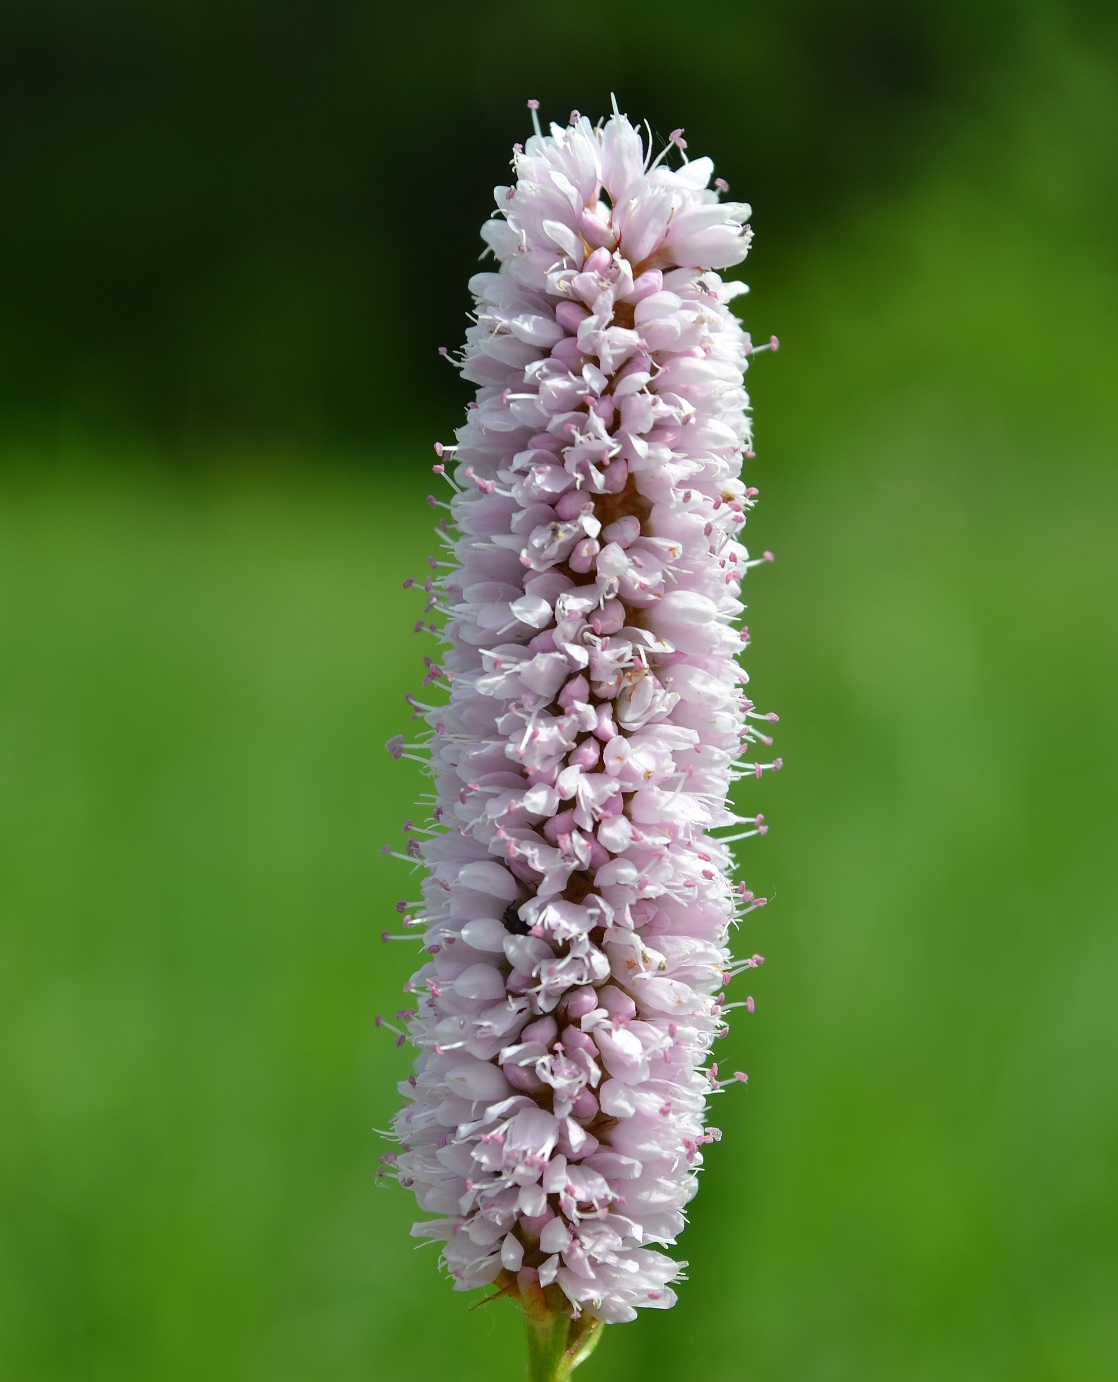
197,676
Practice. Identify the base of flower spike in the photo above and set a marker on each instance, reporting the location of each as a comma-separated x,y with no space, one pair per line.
557,1342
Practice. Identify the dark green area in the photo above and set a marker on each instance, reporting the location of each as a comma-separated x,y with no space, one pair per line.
204,645
239,218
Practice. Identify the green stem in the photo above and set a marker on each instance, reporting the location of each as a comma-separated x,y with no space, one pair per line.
557,1344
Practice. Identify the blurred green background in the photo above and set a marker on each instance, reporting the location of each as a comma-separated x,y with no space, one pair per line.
233,236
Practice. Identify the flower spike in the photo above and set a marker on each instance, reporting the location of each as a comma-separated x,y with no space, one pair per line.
577,907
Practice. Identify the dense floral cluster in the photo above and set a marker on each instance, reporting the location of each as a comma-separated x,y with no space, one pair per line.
576,909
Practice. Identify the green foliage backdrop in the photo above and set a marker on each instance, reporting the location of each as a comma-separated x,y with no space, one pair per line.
204,645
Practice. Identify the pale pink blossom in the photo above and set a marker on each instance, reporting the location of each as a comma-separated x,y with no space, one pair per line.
577,906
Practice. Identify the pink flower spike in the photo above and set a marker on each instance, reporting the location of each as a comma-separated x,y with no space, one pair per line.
577,898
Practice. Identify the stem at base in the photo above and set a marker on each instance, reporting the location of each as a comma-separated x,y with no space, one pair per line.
557,1344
